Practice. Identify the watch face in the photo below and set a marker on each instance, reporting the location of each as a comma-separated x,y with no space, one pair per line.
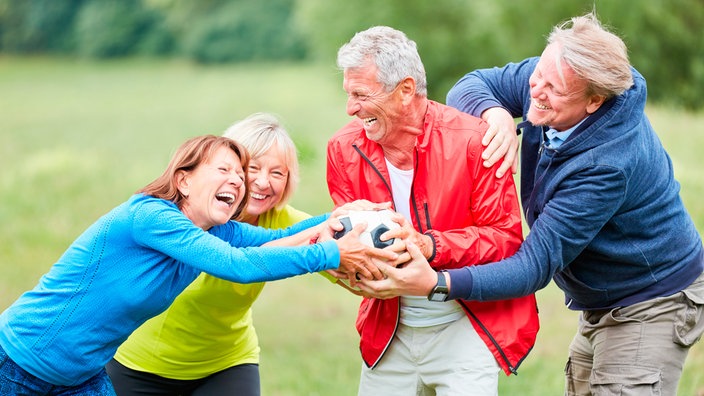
437,296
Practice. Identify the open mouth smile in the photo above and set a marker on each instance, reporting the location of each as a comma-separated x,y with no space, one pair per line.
257,196
227,198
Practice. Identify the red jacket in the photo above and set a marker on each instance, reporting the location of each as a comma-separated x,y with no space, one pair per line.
472,217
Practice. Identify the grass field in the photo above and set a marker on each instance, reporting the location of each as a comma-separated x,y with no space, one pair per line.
78,138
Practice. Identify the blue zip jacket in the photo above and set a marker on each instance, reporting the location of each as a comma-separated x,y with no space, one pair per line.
128,267
605,216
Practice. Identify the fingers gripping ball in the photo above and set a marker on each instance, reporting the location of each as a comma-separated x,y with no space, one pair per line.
378,222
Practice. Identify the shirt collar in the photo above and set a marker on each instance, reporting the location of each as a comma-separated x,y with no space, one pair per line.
554,135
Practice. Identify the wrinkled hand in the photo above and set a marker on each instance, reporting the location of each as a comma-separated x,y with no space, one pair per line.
343,282
398,247
500,140
407,234
352,290
416,278
357,259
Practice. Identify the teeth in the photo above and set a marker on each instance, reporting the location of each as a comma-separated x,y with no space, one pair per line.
541,107
369,120
228,198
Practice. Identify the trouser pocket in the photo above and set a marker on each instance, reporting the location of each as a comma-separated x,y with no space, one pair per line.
689,319
576,379
626,381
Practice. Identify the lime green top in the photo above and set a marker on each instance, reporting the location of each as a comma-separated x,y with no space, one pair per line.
208,328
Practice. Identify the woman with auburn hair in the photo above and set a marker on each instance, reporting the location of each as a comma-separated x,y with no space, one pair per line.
132,263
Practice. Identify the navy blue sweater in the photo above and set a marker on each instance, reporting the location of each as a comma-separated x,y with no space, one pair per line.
606,219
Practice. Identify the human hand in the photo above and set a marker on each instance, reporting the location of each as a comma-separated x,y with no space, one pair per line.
500,140
342,281
353,290
406,233
337,274
357,259
416,278
398,247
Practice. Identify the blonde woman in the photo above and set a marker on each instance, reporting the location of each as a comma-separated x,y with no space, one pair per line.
205,343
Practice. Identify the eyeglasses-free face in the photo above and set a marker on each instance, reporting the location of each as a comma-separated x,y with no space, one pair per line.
559,96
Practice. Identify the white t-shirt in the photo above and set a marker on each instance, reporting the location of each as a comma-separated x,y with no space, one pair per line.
418,311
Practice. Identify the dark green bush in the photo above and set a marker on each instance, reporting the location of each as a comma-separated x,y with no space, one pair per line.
37,26
453,36
108,28
248,30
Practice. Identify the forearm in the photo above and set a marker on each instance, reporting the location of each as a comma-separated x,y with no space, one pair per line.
515,276
307,225
301,238
262,264
459,284
471,95
482,89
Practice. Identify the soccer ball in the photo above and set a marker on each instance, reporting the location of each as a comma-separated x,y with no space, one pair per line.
378,222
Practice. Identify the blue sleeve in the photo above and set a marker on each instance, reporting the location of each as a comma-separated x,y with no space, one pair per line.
505,87
245,235
460,283
573,216
163,228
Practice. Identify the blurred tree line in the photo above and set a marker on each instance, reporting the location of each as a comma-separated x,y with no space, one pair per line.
453,36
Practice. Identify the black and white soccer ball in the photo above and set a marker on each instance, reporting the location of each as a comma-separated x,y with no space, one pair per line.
378,222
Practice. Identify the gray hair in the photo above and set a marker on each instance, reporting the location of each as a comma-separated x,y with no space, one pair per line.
595,54
258,133
394,54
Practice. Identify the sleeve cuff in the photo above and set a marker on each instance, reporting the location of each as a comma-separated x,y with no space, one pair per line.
460,284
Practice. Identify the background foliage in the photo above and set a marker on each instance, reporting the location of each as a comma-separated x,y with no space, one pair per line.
78,137
89,116
453,36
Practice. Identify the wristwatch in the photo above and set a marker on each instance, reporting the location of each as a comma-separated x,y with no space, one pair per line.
440,291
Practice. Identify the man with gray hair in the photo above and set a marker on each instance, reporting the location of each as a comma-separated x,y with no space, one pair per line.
425,158
606,219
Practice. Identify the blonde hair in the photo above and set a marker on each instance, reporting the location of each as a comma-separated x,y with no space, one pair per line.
258,133
595,54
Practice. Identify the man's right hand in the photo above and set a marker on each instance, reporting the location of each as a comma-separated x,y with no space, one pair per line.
415,278
500,140
356,258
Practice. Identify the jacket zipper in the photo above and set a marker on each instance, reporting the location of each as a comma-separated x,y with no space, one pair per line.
371,164
398,311
511,368
466,308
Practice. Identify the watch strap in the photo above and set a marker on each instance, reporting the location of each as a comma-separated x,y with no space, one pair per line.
440,291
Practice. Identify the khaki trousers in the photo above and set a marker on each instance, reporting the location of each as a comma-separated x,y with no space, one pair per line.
443,360
636,350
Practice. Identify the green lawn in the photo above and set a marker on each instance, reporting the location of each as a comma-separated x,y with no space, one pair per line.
78,138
